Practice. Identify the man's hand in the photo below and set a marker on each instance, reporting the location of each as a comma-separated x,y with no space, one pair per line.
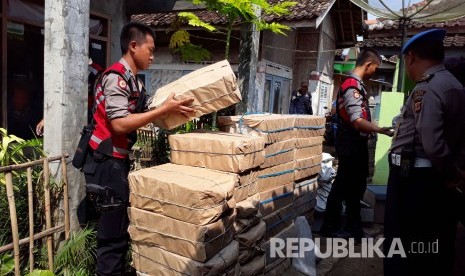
388,131
171,105
40,128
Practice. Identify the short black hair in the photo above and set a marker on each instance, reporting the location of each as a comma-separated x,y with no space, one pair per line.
430,50
134,31
368,55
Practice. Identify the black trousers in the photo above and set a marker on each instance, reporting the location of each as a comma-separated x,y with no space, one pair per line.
421,211
350,185
112,235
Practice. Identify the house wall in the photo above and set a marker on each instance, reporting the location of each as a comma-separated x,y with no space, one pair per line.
115,10
327,46
306,55
278,48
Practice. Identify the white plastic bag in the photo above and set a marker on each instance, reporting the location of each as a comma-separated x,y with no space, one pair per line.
306,263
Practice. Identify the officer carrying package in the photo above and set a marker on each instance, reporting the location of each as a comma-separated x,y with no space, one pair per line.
83,145
102,198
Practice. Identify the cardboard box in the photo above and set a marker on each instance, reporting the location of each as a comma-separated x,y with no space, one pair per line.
279,153
273,127
199,243
213,87
152,260
275,176
195,195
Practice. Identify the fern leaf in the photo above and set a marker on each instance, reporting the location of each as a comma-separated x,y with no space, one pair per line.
193,20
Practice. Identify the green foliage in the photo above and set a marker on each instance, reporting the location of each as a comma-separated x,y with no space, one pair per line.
191,52
273,26
7,264
77,255
180,43
179,38
193,20
41,273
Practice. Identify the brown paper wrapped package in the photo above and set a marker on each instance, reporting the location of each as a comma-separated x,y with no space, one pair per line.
215,150
275,199
273,127
305,186
305,148
199,243
278,267
251,242
304,208
306,126
307,167
275,176
195,195
279,153
256,266
155,261
289,232
213,88
279,220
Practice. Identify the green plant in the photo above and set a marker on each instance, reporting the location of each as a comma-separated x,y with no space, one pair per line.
7,264
77,255
14,150
241,11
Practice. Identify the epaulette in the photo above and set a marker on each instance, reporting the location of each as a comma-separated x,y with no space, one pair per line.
425,78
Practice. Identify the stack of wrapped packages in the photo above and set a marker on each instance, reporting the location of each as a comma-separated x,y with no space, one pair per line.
308,136
182,221
239,155
292,161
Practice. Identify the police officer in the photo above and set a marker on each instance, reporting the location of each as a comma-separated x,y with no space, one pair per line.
427,164
353,129
301,101
120,105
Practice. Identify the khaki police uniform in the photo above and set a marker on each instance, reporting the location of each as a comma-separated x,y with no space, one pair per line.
419,206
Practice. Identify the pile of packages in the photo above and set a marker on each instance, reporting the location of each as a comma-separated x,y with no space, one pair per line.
214,208
287,179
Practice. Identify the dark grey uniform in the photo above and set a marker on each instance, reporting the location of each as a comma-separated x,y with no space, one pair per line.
420,207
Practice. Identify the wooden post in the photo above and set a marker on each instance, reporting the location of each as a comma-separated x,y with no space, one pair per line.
14,219
64,177
48,215
31,218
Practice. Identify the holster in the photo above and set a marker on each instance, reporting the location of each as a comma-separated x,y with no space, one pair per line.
103,198
83,147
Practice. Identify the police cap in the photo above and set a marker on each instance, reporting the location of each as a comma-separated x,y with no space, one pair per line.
429,35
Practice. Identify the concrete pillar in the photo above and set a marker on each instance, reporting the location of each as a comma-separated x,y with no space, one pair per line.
65,87
250,39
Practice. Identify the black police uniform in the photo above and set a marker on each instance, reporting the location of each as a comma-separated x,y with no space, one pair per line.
301,103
